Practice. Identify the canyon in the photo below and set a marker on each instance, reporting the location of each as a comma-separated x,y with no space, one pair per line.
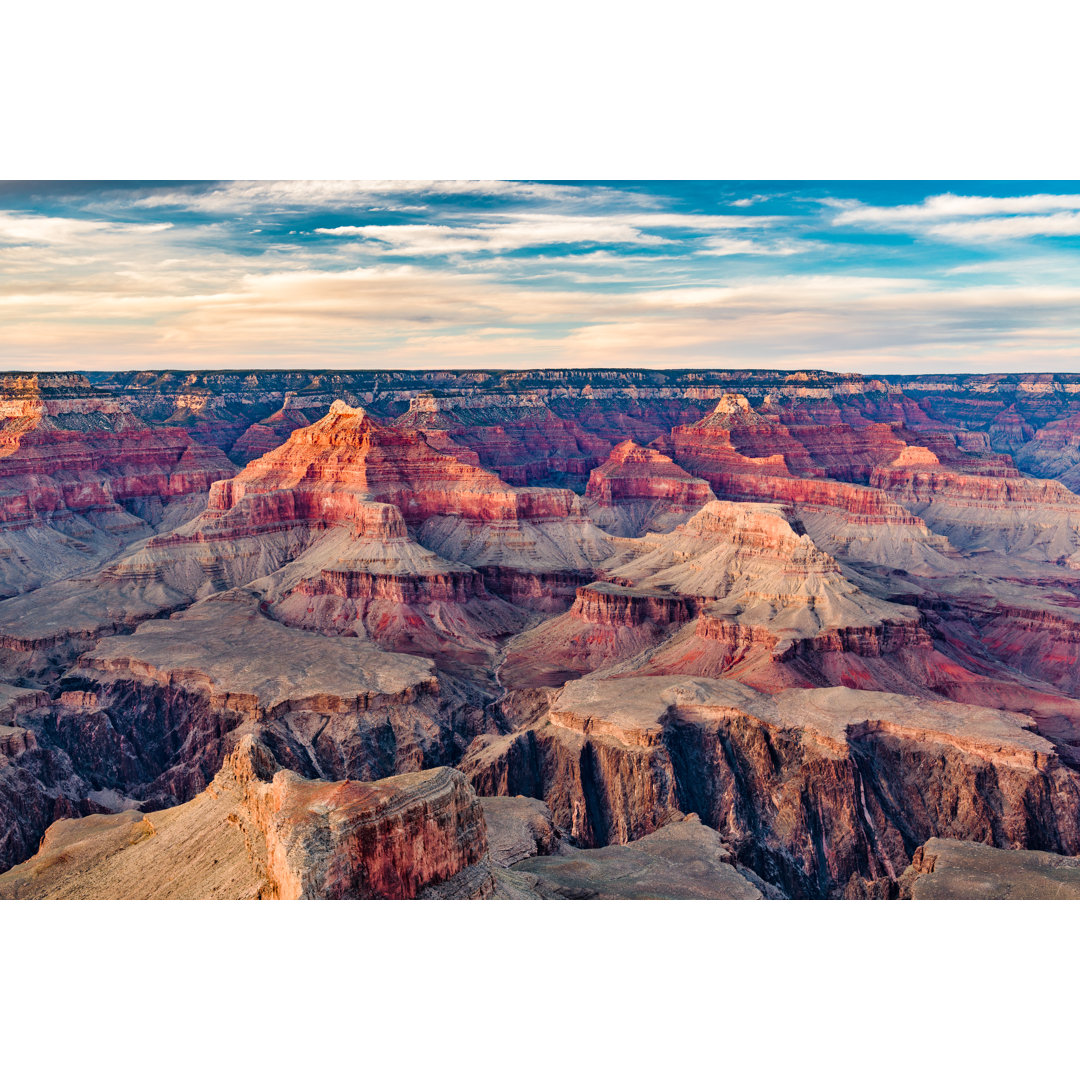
544,635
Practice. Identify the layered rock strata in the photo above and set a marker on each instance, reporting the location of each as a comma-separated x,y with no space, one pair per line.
1037,519
753,586
80,476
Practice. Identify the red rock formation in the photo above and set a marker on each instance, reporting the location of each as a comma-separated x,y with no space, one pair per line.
1009,431
376,536
1053,450
384,840
86,455
297,411
754,585
636,472
404,597
639,489
706,450
174,696
327,470
605,623
1010,514
734,423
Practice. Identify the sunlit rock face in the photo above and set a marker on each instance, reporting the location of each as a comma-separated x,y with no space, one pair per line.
538,635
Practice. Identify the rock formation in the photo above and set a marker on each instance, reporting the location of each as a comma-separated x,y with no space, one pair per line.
683,860
1013,515
260,832
752,587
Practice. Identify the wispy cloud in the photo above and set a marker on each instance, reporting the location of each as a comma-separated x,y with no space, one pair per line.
1009,228
525,232
503,233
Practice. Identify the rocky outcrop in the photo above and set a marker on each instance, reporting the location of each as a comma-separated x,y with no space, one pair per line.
605,623
1009,431
1008,514
345,490
960,870
850,521
398,594
683,860
754,585
327,470
516,436
518,828
261,832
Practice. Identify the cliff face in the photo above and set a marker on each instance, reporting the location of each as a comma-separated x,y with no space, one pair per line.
516,436
848,520
347,458
733,564
175,694
812,789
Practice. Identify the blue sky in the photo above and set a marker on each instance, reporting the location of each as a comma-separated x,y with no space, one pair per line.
868,277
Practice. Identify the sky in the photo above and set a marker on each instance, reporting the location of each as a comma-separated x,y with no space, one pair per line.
869,277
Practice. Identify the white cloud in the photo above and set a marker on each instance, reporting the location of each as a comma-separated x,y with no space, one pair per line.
969,218
534,231
945,207
1008,228
39,229
121,293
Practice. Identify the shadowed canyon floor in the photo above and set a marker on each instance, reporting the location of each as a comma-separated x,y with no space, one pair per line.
539,635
